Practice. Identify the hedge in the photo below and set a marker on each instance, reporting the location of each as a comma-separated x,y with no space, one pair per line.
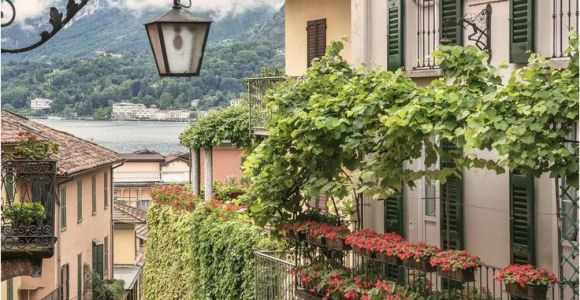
201,254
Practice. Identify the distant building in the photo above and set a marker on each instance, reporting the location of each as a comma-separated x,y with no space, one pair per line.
132,111
235,101
195,103
173,115
40,103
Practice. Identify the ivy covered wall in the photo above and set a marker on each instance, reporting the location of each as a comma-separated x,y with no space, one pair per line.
202,254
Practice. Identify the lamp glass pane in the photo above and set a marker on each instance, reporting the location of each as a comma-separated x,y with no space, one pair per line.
183,46
155,40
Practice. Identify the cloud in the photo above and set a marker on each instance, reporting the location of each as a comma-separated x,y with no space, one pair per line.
219,8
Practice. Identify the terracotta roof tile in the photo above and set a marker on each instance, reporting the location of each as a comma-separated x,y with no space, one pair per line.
75,154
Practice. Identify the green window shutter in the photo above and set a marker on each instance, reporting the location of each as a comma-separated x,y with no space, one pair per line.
106,257
79,201
522,14
450,11
393,213
315,39
79,276
63,207
98,260
94,194
10,289
395,34
106,189
522,219
451,202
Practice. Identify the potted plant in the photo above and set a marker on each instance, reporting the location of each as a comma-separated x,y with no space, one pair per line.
526,281
362,242
34,149
456,265
308,277
388,247
23,214
417,256
316,232
336,237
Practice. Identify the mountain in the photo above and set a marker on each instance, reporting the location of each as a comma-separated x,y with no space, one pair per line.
104,25
71,69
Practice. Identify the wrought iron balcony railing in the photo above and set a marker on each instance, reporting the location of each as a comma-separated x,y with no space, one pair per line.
257,89
564,19
26,235
274,281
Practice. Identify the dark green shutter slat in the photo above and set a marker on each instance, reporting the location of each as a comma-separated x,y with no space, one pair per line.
393,213
63,207
98,260
79,276
451,195
522,29
106,189
395,34
10,289
315,39
522,219
450,11
106,256
79,201
94,194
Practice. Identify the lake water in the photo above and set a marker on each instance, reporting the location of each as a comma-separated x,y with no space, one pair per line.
125,136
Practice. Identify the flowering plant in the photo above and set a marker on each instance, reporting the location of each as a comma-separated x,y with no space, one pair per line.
309,277
177,195
33,148
453,260
417,251
525,275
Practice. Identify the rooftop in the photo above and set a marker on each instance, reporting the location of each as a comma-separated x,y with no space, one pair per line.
127,273
75,155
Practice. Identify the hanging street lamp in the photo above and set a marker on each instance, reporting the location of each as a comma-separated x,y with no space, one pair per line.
178,40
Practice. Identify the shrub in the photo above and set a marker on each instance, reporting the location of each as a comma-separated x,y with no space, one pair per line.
207,253
24,213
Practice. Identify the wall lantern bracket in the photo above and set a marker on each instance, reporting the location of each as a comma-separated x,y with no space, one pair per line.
480,25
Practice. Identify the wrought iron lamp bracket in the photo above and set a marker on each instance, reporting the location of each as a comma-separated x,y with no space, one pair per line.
479,23
56,21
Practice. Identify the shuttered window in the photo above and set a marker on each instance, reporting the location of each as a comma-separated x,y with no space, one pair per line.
393,207
79,276
106,257
522,219
393,218
10,289
106,189
450,12
521,30
451,201
315,39
79,201
98,260
395,34
64,282
63,208
94,194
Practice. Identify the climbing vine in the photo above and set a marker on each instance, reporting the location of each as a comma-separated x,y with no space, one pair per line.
340,129
229,123
203,254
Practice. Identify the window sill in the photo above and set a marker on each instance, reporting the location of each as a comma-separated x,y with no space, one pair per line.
63,229
424,73
94,213
560,62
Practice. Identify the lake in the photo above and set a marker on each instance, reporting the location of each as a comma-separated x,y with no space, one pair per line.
125,136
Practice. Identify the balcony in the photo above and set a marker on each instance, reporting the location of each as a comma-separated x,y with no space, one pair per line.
138,202
257,90
136,177
27,233
564,19
274,281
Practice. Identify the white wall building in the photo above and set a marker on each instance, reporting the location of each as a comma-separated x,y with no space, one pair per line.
40,103
132,111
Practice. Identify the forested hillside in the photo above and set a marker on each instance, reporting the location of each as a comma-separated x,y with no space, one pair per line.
89,84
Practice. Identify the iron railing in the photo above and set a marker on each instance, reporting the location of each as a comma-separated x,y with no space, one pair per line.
141,203
125,177
428,32
564,19
28,181
273,280
54,295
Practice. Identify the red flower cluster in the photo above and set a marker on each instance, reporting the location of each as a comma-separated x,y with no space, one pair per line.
453,260
525,275
417,251
177,195
316,229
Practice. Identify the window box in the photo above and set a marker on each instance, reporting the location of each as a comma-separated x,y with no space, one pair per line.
462,275
532,292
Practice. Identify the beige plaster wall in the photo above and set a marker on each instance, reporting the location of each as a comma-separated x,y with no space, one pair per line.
124,245
227,162
298,12
77,237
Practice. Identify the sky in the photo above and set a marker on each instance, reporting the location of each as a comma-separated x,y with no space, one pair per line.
26,9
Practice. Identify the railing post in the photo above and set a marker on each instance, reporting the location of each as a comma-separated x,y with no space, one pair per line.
195,168
208,173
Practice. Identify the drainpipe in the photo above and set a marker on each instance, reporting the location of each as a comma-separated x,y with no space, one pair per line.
195,170
208,173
